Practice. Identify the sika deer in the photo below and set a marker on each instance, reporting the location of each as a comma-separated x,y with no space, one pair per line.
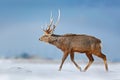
71,43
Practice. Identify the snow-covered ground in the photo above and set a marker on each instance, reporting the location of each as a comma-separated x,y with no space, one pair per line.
11,70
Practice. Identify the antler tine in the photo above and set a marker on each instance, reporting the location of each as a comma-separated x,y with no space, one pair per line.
51,17
50,24
51,21
53,29
54,26
42,28
58,18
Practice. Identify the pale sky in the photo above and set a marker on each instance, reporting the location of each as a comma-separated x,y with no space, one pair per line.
20,22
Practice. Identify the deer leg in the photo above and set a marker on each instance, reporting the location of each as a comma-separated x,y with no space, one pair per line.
72,59
63,59
104,59
90,57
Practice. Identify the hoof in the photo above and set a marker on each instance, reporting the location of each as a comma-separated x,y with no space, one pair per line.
59,70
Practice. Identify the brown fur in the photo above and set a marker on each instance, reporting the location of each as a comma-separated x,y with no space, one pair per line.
71,43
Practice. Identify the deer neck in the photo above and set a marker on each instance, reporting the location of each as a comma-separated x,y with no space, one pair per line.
58,41
53,40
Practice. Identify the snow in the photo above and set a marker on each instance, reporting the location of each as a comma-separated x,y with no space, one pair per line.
11,70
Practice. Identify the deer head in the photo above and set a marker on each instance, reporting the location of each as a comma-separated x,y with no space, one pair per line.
50,28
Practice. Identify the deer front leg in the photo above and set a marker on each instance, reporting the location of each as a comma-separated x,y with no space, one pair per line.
90,57
72,59
63,59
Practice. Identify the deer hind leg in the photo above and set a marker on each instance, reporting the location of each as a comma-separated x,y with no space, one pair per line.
104,59
63,59
90,57
72,59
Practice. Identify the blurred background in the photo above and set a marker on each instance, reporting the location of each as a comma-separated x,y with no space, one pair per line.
20,22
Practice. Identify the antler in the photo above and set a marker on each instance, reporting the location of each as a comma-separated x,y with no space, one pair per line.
58,20
51,22
50,30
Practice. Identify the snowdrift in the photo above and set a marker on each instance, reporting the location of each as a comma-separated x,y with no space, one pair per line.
46,70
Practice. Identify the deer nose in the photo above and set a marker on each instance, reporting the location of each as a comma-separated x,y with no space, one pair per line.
40,39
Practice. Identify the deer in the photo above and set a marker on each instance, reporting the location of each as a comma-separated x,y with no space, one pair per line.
73,43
